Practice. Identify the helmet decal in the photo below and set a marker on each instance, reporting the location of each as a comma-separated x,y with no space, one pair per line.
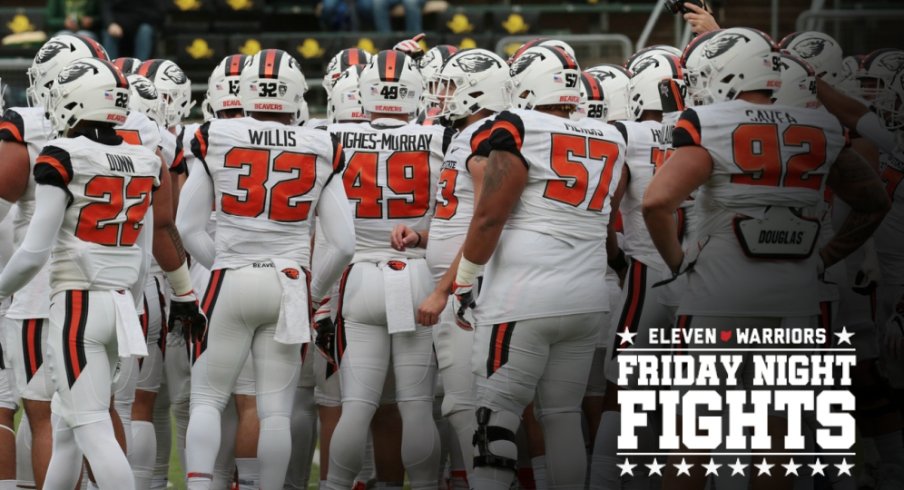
721,44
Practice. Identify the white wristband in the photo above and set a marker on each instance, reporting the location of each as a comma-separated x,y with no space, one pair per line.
467,271
870,127
180,280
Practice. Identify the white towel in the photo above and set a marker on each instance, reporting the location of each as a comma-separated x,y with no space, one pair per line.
129,336
397,288
294,323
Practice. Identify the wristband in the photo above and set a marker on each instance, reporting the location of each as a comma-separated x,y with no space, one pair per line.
467,271
870,127
180,280
418,243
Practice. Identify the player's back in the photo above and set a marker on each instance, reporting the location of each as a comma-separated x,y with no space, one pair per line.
551,257
26,125
759,210
267,179
390,179
890,234
110,184
140,130
573,169
644,150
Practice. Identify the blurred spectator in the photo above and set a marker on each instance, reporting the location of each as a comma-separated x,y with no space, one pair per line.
130,27
382,9
73,16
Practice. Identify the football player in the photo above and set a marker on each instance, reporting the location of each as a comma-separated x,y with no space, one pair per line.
23,133
265,175
757,192
390,180
545,199
471,88
640,308
93,322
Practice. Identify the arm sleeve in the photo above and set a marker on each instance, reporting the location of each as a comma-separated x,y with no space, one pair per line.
12,127
507,134
50,209
199,145
339,230
195,203
687,130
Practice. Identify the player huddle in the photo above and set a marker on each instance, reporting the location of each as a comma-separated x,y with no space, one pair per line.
433,283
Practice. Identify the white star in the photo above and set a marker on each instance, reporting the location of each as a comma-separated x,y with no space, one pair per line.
764,467
655,467
791,468
627,467
712,468
737,468
627,336
683,467
844,468
844,337
818,468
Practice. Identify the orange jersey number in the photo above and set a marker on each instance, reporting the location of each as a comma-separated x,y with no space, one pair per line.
449,205
757,151
407,174
252,198
100,222
574,185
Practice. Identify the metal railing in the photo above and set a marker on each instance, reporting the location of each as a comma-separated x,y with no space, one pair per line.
814,19
593,41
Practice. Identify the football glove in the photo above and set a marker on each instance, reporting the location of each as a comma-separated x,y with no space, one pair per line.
325,331
464,304
411,47
186,314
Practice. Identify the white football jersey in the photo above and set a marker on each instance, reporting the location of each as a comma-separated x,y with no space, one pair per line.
455,190
390,179
644,140
110,185
27,125
187,135
890,235
140,130
551,257
769,162
171,150
267,179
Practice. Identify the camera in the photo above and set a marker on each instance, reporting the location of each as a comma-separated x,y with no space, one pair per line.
678,6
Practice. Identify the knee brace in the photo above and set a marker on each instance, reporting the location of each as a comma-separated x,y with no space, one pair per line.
487,434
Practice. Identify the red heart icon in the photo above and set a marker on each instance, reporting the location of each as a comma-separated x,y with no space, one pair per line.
725,335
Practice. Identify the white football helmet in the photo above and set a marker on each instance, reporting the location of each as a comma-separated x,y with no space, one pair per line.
206,110
798,83
615,80
272,82
819,50
729,62
127,65
145,99
89,89
545,76
172,85
339,63
877,69
542,41
593,99
650,51
223,84
643,90
433,60
470,81
391,84
55,54
345,100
